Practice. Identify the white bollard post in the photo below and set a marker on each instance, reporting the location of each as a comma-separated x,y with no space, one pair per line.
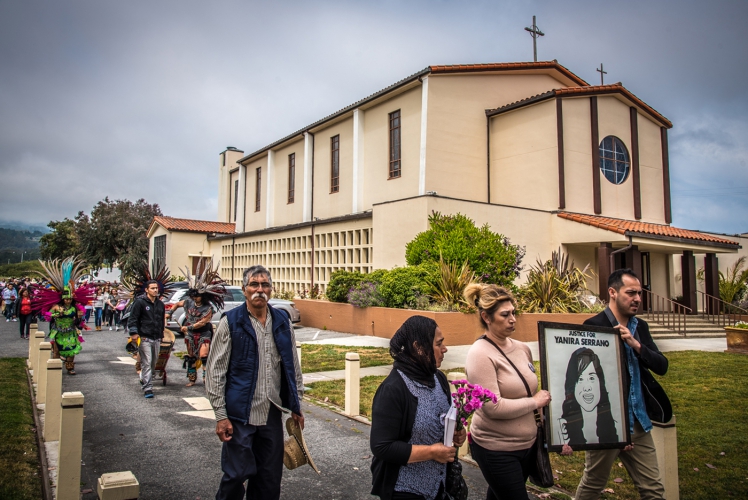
465,448
352,384
118,486
71,445
298,351
32,332
54,395
665,439
45,353
34,354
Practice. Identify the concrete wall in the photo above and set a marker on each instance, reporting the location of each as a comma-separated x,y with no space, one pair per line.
456,130
524,157
578,155
255,220
458,328
180,248
283,212
326,203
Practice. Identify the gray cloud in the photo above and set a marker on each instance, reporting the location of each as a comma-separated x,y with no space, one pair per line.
136,99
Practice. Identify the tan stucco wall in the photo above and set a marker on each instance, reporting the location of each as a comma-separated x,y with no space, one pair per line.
377,187
456,127
659,273
179,247
524,157
577,155
285,213
233,177
614,119
650,170
227,161
327,204
256,220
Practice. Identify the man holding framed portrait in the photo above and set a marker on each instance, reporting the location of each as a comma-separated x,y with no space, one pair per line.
646,401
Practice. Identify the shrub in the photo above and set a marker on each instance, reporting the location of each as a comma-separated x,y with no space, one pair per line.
401,287
284,294
365,294
341,283
450,283
554,286
733,283
457,240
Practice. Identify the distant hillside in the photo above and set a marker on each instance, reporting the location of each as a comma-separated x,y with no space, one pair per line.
17,246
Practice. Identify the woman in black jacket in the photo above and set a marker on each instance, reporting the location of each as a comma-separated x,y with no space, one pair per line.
407,417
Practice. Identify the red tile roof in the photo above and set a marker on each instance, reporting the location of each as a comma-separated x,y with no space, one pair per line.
192,225
468,68
585,91
634,228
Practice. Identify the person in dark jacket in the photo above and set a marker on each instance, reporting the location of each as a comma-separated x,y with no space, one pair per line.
253,376
642,355
147,321
407,429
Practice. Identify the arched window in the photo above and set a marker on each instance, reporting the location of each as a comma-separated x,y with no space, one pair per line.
614,160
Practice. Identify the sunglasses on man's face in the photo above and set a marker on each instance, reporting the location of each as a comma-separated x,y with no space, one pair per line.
254,285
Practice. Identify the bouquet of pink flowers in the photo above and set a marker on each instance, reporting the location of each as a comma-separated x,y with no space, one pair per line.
469,398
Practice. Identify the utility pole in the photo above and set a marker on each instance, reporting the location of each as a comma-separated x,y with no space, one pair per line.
602,74
534,33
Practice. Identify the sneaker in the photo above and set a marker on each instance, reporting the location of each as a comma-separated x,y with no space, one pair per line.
15,319
148,394
6,320
110,328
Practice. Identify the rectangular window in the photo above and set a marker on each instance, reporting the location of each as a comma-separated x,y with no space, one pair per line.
335,164
258,188
159,251
291,176
395,144
236,197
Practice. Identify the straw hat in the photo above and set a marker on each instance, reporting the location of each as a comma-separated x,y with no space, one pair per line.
295,452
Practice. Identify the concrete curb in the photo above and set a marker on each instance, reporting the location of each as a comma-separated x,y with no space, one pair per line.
46,487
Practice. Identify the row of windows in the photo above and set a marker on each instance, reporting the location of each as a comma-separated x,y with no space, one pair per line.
394,165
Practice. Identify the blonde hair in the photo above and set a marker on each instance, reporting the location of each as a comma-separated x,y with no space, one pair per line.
487,298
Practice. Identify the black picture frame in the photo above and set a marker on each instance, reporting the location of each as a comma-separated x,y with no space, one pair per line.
566,415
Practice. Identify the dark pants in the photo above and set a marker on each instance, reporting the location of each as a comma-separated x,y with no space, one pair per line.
254,453
25,323
505,472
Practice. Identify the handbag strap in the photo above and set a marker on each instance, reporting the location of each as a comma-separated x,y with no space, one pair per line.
527,387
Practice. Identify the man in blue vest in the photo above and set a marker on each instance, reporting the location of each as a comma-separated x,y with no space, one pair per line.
253,376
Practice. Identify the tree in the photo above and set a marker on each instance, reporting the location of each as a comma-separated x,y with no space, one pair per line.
61,242
115,233
458,240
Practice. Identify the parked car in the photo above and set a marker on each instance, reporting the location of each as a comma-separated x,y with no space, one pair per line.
234,298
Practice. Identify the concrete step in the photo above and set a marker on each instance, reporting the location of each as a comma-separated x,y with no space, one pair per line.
696,327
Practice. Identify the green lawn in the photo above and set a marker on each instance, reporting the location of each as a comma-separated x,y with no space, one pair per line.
709,393
327,357
19,464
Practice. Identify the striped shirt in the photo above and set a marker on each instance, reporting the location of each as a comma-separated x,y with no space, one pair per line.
268,387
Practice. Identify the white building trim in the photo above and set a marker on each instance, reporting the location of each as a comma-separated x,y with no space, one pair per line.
358,161
424,120
269,201
307,197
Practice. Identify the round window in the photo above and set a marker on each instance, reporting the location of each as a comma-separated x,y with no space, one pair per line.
614,160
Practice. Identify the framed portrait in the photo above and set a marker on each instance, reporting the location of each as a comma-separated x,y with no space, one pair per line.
584,368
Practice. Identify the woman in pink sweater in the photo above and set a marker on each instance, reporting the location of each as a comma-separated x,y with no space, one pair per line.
503,434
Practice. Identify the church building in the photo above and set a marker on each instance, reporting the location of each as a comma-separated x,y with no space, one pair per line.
531,149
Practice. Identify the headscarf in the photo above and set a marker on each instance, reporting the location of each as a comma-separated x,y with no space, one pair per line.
412,348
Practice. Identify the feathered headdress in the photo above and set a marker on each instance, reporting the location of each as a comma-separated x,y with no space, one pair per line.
206,282
136,283
62,277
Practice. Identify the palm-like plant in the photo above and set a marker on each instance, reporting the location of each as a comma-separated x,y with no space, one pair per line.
733,283
554,286
450,283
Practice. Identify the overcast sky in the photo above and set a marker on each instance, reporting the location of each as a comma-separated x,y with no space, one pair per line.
137,99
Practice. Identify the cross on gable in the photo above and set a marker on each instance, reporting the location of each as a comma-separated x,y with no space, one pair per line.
602,74
534,33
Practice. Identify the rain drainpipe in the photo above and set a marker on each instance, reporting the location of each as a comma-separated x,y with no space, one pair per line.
311,210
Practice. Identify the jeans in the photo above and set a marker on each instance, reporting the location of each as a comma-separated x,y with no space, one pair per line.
148,350
254,453
24,322
97,317
505,472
